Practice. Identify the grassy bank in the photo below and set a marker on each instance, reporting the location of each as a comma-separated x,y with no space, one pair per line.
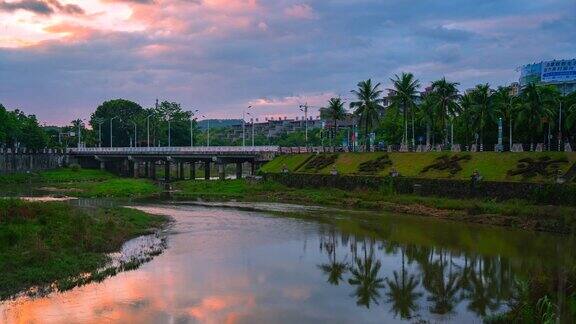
492,166
81,183
518,213
41,243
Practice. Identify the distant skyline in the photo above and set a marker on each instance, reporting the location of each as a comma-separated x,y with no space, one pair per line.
59,59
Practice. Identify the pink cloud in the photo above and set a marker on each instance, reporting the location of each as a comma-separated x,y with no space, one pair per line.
300,11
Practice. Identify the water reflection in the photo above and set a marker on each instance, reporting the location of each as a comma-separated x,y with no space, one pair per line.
233,266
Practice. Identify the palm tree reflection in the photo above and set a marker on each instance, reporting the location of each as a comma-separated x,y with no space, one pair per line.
365,277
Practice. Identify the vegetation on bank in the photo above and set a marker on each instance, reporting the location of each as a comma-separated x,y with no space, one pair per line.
45,242
513,213
77,182
491,165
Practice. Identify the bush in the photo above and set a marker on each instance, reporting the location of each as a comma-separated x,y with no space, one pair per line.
75,167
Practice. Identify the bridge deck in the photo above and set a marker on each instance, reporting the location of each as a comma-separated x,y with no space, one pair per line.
197,150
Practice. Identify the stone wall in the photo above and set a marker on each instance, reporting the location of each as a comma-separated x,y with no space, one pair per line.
23,160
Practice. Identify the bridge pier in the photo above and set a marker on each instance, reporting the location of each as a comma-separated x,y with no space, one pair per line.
102,165
135,169
167,171
192,170
181,175
238,170
253,168
206,170
153,170
222,171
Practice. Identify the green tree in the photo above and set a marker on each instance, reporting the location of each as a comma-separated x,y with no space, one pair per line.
536,107
123,111
446,96
335,112
404,95
507,107
368,107
483,108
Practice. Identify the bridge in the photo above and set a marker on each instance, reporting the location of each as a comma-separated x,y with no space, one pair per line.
144,161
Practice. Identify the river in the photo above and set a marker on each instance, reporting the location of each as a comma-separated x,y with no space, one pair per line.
252,265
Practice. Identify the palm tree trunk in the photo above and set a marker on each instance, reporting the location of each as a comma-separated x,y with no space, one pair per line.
510,134
413,140
405,137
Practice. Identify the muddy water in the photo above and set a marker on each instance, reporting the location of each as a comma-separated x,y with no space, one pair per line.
238,266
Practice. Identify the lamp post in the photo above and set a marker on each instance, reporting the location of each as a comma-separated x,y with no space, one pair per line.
111,119
135,133
559,124
192,113
100,122
252,122
208,133
304,108
148,129
169,133
244,126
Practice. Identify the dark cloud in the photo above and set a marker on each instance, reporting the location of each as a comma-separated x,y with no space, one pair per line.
35,6
41,7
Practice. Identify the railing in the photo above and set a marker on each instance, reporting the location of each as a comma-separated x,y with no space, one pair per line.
177,150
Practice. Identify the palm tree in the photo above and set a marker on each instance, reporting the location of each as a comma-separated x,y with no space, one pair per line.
534,110
507,106
368,106
404,95
335,111
482,98
466,114
446,96
428,115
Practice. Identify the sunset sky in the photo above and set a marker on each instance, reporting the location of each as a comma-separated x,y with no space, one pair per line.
59,59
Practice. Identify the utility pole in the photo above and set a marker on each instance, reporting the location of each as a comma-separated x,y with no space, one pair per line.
79,129
244,125
192,119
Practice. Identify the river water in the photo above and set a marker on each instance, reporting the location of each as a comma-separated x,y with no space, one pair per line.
227,265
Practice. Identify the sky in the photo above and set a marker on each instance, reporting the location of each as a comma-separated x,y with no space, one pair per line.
59,59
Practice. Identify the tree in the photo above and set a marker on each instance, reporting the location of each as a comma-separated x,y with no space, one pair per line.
506,106
445,96
404,95
123,111
368,106
482,101
536,107
335,111
427,112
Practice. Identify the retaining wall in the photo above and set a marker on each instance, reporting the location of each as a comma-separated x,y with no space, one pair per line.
547,193
23,160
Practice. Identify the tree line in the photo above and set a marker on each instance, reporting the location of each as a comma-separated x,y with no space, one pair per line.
441,114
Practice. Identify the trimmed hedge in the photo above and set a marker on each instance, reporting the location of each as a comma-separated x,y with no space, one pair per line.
544,193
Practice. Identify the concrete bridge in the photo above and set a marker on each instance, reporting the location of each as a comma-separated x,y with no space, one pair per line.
143,161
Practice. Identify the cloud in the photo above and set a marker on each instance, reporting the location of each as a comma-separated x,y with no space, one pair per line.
300,11
41,7
222,55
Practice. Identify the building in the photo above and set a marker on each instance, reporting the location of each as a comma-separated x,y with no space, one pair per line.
561,73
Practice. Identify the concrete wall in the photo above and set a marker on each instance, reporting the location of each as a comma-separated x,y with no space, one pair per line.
22,160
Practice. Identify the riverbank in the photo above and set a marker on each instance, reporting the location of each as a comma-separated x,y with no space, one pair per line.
53,243
87,183
513,213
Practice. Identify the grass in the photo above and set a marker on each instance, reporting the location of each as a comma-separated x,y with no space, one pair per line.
513,213
491,165
83,183
41,243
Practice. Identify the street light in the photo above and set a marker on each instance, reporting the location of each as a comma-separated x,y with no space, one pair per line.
559,125
99,121
208,135
111,119
169,133
252,122
148,128
304,108
192,113
135,133
244,126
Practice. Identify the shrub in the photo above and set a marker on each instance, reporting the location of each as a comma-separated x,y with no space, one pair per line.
75,167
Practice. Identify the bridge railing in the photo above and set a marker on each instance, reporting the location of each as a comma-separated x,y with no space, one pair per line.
177,150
